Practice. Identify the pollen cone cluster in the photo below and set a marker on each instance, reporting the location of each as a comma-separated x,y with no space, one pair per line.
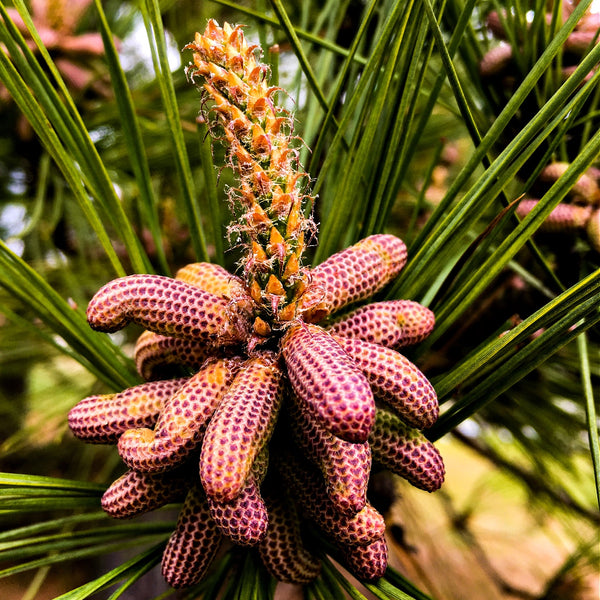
501,63
503,70
579,212
295,385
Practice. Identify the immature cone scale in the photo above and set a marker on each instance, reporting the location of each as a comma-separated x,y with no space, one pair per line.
165,306
153,352
593,230
244,520
240,427
368,562
360,529
579,213
272,336
101,419
193,544
395,380
182,420
503,71
328,383
344,465
353,275
406,451
137,493
282,550
393,324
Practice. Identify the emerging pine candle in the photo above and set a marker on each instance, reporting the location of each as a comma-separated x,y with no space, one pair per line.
289,393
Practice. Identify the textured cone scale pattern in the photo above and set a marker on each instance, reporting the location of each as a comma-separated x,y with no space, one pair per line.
353,274
585,188
360,529
182,420
406,452
273,429
138,493
579,213
102,419
193,545
154,351
328,382
393,324
395,380
593,230
368,562
564,218
240,427
162,305
282,550
244,520
218,281
345,466
211,278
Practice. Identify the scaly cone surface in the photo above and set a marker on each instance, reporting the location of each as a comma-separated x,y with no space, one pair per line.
277,372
